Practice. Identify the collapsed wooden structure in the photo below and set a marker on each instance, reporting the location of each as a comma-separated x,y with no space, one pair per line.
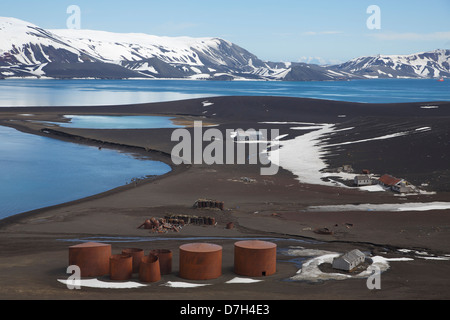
211,204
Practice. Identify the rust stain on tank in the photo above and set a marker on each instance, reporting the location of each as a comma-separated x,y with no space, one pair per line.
255,258
200,261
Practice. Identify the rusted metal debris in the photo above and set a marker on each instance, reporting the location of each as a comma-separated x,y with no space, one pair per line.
210,204
160,225
187,219
175,222
323,231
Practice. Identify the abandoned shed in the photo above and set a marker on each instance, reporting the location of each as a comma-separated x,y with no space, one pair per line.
403,187
363,180
349,260
388,180
395,184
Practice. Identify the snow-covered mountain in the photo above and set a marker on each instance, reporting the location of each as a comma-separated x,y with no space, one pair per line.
27,50
433,64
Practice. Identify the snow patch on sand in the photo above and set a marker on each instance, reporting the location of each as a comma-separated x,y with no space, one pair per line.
242,280
429,107
180,284
373,188
425,255
207,103
308,163
95,283
388,136
310,270
294,122
305,154
413,206
423,129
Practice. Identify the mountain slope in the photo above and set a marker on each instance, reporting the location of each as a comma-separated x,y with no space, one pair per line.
431,64
165,56
27,50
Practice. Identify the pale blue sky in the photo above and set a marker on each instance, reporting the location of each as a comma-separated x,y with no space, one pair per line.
282,30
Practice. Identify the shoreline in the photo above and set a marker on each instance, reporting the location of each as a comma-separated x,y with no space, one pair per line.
261,206
155,155
152,154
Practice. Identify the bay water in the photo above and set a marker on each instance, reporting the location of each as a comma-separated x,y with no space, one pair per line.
37,172
46,92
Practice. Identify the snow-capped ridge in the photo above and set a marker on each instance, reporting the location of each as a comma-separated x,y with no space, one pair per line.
27,50
431,64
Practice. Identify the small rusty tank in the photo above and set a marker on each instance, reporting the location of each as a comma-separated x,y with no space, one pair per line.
165,259
136,254
149,269
120,267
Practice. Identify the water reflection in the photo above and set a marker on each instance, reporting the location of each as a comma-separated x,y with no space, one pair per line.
82,92
117,122
37,172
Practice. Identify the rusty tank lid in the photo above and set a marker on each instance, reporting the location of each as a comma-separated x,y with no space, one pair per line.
90,245
255,244
200,247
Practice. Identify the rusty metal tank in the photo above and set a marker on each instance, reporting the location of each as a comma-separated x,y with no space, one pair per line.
120,267
200,261
91,257
165,260
149,269
136,254
255,258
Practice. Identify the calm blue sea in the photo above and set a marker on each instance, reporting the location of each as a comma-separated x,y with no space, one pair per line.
21,93
36,172
116,122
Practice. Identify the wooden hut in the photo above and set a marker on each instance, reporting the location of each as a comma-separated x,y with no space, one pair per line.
349,260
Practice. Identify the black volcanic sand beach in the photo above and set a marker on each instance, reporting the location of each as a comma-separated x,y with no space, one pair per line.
34,245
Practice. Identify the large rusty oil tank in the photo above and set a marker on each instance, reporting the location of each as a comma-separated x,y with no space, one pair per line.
120,267
165,260
255,258
91,257
136,254
149,269
200,261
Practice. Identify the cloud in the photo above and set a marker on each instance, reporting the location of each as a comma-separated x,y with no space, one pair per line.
411,36
319,60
